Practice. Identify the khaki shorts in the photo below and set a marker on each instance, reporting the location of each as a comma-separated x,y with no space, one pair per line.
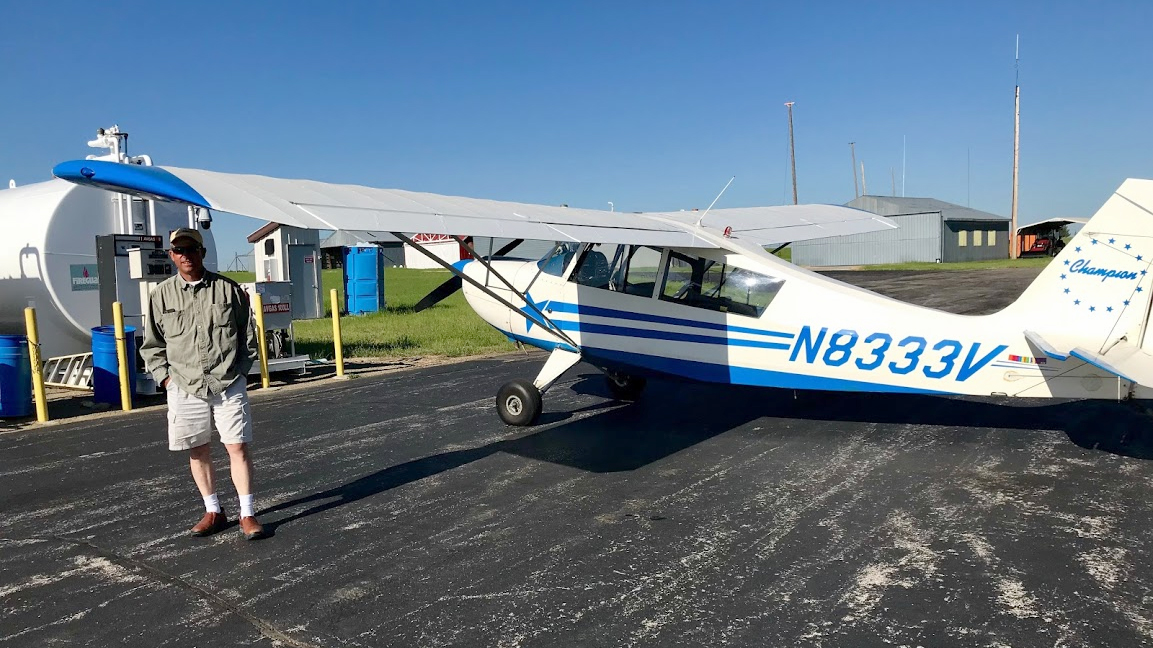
190,417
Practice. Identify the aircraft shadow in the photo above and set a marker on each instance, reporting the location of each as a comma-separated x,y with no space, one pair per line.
673,416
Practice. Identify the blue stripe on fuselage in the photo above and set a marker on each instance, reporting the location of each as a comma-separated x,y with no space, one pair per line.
596,311
726,374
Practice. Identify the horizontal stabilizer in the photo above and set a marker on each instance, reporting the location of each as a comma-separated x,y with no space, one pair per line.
1049,348
1123,360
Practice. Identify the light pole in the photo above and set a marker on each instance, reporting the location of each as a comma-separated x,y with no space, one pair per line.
792,151
853,150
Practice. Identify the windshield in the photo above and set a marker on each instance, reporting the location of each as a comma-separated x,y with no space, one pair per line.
558,258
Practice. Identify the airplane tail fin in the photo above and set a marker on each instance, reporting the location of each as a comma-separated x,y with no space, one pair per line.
1095,294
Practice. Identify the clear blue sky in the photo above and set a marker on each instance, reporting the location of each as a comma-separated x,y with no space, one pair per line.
651,105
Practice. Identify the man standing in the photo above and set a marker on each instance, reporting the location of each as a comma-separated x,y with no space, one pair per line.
199,344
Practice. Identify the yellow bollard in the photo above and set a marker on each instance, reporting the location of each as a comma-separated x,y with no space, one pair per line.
122,357
336,343
258,308
37,365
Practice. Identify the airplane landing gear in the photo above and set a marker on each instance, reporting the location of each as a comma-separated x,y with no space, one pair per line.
623,386
518,403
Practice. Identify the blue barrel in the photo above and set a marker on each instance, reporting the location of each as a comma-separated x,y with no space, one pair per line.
15,376
105,372
363,279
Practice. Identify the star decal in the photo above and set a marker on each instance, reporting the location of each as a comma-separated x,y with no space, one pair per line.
1081,277
529,313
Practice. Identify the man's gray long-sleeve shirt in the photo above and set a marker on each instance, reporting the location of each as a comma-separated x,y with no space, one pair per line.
202,336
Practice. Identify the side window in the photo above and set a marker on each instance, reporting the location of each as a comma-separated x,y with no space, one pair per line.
641,271
962,238
991,237
595,267
703,283
630,269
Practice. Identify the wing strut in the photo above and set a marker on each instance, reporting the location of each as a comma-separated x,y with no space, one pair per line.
540,319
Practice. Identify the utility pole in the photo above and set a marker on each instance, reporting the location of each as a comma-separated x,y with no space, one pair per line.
1013,241
792,151
853,150
893,179
864,185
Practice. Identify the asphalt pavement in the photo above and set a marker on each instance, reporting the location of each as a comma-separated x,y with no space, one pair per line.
404,513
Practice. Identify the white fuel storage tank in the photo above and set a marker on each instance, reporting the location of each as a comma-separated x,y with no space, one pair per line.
48,236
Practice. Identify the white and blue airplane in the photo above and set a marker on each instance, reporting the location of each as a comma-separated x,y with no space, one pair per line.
697,296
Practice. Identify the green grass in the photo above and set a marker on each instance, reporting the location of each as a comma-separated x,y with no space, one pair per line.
450,328
1033,262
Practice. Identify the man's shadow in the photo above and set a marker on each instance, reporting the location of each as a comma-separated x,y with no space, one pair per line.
673,416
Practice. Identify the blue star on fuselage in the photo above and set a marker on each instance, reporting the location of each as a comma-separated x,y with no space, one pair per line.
529,313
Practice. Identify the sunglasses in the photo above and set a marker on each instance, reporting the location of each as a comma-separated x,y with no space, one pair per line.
185,250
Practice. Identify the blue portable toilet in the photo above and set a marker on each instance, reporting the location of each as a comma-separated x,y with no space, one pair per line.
105,364
363,279
15,376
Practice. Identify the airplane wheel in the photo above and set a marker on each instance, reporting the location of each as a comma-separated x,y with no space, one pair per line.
625,387
518,403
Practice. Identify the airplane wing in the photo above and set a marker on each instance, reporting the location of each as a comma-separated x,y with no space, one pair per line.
788,223
318,205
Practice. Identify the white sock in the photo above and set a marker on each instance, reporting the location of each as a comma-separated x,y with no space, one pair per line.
246,505
212,504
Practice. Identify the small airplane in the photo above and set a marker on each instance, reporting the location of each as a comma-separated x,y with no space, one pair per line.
696,295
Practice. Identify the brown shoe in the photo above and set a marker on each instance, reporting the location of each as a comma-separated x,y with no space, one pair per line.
209,524
251,529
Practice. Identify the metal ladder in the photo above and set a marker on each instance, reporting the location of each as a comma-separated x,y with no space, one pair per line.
70,371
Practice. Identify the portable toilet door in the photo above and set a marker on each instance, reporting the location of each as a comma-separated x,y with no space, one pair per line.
363,280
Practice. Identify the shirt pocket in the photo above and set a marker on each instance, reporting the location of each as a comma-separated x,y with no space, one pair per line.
221,315
175,324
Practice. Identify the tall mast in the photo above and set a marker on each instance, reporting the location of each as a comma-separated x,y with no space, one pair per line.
853,150
1014,244
792,151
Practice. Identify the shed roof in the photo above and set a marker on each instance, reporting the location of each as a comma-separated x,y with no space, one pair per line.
894,206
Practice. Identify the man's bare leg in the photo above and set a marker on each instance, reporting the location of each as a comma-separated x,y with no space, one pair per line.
241,467
200,460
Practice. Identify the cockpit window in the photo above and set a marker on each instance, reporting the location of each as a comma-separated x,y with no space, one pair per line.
558,258
629,269
704,283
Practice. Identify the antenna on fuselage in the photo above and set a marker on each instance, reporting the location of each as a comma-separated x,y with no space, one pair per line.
702,218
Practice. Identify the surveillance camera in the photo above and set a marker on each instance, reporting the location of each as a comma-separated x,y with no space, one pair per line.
204,218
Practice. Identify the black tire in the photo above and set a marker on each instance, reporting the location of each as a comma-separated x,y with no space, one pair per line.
1056,249
518,403
625,387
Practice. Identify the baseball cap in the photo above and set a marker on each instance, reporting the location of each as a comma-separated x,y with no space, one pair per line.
185,232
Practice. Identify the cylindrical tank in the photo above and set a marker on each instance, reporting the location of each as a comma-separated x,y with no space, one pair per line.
106,364
48,257
15,376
